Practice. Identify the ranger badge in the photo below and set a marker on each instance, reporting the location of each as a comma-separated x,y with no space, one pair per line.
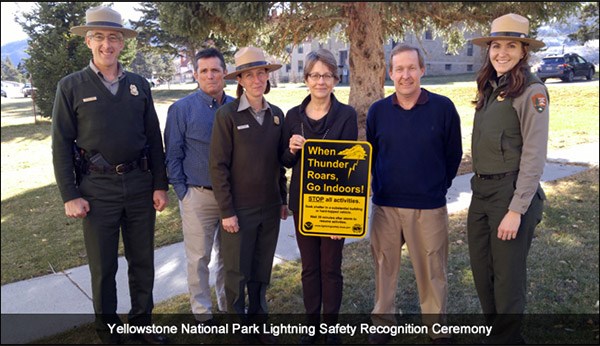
133,90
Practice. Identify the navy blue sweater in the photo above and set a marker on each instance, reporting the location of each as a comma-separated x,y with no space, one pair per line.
416,152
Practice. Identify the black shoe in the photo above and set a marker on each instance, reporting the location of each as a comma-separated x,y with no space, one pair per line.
266,339
379,339
307,339
153,338
441,341
333,339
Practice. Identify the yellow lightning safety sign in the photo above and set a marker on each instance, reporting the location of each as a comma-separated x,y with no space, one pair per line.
334,188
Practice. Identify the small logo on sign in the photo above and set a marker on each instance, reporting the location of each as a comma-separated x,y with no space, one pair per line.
308,225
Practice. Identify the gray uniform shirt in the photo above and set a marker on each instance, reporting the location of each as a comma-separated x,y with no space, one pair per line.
534,128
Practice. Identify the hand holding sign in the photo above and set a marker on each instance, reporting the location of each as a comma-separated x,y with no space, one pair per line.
296,143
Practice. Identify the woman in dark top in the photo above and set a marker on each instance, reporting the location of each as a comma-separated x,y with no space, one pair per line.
319,116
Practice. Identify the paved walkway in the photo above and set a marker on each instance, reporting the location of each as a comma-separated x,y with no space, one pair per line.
69,292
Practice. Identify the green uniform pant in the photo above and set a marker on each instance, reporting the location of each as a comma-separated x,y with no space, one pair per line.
248,259
500,266
120,204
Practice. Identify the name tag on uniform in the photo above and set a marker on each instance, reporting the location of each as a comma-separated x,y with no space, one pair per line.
243,127
90,99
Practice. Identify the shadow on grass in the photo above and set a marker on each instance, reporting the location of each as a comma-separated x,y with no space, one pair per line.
36,234
18,107
27,132
562,272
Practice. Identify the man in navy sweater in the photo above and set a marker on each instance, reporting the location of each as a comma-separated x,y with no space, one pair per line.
417,149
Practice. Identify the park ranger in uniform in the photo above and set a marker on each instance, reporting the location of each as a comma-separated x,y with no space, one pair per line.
104,117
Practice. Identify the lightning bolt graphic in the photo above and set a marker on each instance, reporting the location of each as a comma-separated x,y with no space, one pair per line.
352,169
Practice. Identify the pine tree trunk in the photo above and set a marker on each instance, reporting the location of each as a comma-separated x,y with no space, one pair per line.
367,58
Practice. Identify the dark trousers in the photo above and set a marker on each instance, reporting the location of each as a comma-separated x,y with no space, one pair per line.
248,259
322,280
500,267
120,204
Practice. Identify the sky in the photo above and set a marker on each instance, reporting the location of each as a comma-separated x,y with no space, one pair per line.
11,31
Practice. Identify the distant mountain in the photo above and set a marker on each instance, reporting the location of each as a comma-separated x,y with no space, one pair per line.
15,51
555,35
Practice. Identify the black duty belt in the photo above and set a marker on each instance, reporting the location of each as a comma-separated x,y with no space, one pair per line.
495,176
121,168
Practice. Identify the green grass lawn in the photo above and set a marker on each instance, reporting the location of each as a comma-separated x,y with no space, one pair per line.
562,279
37,237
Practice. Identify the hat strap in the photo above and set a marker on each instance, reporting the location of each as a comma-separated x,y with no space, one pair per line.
509,33
100,23
251,64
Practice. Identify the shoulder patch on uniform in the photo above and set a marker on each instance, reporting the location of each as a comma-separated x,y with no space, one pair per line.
539,102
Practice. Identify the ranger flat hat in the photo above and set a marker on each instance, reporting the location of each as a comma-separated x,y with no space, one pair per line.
249,58
103,18
509,27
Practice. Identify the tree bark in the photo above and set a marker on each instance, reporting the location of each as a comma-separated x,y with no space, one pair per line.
366,57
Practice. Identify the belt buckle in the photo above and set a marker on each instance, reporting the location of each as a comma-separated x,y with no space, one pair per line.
484,176
121,169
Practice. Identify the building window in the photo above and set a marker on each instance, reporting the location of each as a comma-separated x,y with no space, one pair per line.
428,35
288,49
343,57
469,68
470,49
427,67
300,66
448,67
288,67
300,49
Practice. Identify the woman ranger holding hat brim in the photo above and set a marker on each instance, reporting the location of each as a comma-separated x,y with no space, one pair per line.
509,143
249,184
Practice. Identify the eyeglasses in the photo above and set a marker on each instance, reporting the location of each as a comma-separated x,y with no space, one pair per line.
315,77
112,38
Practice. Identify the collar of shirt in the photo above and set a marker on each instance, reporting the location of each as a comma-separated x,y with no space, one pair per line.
423,98
245,104
496,82
120,73
209,100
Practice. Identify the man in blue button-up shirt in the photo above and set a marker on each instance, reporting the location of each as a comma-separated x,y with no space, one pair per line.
187,140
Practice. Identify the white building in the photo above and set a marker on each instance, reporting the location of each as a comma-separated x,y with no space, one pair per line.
438,61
